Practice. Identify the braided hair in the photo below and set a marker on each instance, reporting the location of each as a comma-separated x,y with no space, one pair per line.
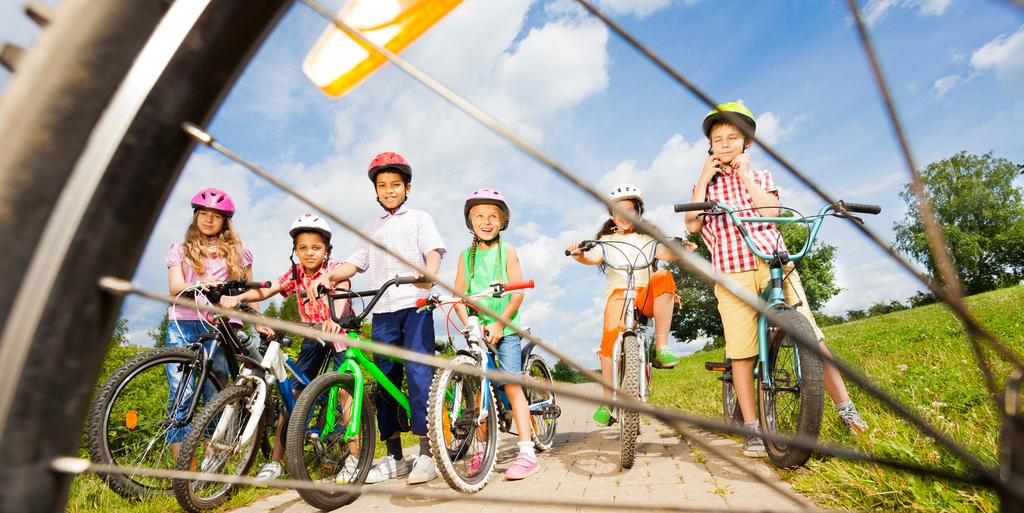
472,253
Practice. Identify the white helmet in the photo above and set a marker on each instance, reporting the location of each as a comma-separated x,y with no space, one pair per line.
626,191
311,223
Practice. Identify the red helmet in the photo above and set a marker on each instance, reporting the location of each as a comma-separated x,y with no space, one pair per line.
214,199
390,161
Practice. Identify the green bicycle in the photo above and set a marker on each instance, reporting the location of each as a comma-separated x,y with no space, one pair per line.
332,431
790,388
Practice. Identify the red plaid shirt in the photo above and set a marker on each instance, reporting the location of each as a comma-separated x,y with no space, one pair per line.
729,254
310,311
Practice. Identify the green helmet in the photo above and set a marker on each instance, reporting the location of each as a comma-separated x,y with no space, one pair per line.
734,107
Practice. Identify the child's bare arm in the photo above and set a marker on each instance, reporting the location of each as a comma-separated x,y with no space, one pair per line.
592,257
460,285
250,296
432,264
662,252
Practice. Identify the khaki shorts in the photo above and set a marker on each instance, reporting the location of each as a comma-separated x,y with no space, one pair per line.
739,320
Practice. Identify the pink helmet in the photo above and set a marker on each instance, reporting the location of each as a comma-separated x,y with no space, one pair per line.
390,161
214,199
489,197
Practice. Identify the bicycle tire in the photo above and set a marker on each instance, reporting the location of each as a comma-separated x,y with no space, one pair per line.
809,392
100,430
197,448
629,421
544,426
327,459
452,441
730,405
75,148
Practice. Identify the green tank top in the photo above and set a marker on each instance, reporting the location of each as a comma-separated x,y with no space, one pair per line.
489,266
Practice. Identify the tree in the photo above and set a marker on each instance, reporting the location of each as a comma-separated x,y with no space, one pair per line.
698,317
566,374
159,334
981,212
120,335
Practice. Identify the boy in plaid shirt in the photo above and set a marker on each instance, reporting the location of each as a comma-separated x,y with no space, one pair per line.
727,178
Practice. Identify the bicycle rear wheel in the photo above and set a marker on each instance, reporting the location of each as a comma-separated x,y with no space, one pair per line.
465,447
131,417
730,405
214,445
793,404
86,161
629,420
544,423
314,453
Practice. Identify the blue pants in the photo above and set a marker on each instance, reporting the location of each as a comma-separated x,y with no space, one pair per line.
510,357
414,331
189,332
311,357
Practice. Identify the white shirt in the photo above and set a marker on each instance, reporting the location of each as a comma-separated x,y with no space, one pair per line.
634,249
410,233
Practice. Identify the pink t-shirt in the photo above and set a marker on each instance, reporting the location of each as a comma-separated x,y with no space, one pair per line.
216,269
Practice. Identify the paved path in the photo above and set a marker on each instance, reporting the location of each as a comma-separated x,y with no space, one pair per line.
584,465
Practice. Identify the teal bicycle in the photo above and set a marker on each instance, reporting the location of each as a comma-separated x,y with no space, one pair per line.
332,431
790,380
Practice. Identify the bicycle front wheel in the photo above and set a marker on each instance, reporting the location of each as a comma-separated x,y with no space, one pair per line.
315,446
215,445
792,405
465,446
132,420
629,420
545,420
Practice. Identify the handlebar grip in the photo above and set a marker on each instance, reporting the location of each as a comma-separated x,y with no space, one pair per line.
403,280
689,207
421,302
258,284
567,253
320,291
861,208
519,285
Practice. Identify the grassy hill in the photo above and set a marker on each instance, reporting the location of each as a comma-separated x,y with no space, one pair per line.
920,356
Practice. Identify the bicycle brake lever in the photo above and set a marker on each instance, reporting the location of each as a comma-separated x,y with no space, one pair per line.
850,216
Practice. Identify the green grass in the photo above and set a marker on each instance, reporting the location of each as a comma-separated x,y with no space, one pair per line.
922,358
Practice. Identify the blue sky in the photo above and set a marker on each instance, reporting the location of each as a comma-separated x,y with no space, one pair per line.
555,75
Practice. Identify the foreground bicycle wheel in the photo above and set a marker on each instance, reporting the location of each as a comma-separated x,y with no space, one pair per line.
792,405
214,445
629,379
79,143
465,447
130,419
544,424
315,453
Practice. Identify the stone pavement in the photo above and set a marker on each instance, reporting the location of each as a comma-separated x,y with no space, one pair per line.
584,465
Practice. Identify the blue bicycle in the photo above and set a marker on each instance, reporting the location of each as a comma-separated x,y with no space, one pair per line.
790,380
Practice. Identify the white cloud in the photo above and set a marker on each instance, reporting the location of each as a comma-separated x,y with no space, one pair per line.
876,10
638,8
1005,56
771,131
946,84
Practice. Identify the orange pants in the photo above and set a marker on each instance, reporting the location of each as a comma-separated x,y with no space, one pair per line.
662,282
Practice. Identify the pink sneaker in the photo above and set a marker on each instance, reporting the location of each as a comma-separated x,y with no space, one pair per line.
524,467
475,463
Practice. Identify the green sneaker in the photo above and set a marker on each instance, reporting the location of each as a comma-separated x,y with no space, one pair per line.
665,359
602,416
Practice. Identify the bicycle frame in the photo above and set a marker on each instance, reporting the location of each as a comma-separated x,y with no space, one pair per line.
774,294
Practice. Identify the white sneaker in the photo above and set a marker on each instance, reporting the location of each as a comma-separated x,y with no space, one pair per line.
389,468
348,471
423,469
270,471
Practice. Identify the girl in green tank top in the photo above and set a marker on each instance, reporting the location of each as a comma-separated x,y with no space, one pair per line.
488,260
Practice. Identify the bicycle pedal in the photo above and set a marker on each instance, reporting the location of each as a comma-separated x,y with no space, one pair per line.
718,366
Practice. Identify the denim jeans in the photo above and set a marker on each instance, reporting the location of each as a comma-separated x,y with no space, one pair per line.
189,332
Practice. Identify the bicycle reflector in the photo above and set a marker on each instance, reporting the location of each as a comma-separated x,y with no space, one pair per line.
337,63
131,419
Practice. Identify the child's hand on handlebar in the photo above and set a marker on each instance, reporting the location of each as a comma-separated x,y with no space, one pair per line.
422,283
493,332
330,326
229,302
266,331
314,286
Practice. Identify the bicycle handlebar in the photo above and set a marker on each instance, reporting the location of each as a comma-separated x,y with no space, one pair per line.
496,289
688,207
860,208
